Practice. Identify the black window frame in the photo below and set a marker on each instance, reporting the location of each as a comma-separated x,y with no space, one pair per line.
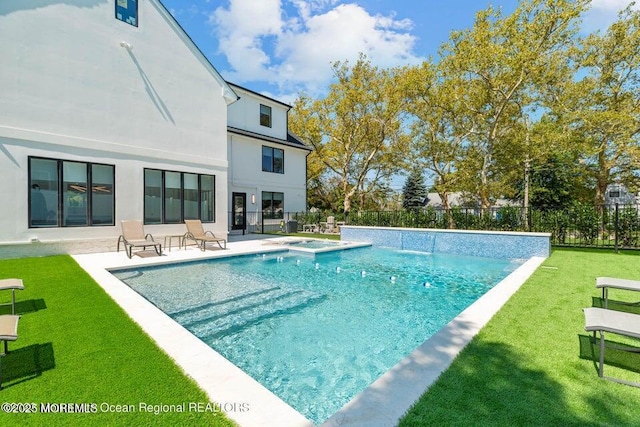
163,205
266,117
271,166
58,220
137,10
272,213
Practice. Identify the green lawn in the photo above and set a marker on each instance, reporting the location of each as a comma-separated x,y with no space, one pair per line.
76,345
530,365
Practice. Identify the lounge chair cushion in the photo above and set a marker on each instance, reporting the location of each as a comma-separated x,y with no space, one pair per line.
11,284
9,327
617,322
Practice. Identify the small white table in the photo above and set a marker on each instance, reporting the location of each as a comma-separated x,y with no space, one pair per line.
170,238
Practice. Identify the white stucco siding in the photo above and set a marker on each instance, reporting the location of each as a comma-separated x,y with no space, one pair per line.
245,172
70,91
245,114
68,75
129,190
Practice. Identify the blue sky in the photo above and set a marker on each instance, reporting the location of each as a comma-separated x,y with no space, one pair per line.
282,47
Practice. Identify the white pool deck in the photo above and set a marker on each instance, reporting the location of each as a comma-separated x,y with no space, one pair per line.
381,404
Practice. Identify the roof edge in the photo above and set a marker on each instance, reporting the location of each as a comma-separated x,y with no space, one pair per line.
229,95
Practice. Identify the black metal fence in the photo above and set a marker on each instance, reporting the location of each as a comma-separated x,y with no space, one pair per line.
610,226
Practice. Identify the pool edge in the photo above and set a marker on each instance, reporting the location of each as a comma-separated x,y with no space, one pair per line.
383,403
388,398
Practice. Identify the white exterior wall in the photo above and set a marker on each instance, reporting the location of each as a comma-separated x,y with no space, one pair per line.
246,175
245,114
245,156
70,91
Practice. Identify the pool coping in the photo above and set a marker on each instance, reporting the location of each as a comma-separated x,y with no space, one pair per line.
340,245
383,403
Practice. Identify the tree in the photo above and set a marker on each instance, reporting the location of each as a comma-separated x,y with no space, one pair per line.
414,192
603,107
439,130
497,65
356,129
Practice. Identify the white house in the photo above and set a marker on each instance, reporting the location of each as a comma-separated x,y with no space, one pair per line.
267,164
108,111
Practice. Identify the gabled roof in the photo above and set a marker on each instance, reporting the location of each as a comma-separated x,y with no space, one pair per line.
227,92
291,141
287,106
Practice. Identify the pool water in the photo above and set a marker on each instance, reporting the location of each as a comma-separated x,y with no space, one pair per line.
318,329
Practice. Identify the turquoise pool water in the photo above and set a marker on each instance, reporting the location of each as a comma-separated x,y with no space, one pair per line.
318,329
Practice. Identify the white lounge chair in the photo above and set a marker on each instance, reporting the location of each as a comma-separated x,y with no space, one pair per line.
12,285
616,322
8,332
196,232
613,282
133,236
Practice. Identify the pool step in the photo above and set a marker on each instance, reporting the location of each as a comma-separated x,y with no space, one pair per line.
215,324
193,312
216,309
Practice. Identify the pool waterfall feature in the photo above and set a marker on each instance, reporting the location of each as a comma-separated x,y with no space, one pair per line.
490,244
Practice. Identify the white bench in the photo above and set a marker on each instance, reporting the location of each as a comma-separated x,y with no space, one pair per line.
617,322
12,284
8,332
612,282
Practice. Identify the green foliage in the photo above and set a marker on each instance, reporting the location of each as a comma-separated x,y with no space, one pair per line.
414,191
587,222
355,130
628,226
509,218
603,108
514,101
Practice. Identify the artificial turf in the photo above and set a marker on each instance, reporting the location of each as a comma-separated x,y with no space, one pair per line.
533,362
531,365
76,346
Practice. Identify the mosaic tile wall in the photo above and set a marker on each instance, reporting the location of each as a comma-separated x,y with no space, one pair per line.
501,245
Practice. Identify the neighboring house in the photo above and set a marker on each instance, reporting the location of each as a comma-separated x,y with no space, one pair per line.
108,111
618,193
458,199
267,164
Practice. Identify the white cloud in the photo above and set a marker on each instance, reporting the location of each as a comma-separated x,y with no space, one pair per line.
603,13
294,47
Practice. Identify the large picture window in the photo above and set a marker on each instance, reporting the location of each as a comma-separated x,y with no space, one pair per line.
272,205
171,197
272,159
66,193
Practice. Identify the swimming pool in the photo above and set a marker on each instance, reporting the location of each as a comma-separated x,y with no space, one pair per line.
316,330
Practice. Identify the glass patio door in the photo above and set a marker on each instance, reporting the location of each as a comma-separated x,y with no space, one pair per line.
239,211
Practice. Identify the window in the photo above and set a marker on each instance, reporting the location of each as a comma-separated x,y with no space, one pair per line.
171,197
127,11
272,159
272,205
265,115
68,193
